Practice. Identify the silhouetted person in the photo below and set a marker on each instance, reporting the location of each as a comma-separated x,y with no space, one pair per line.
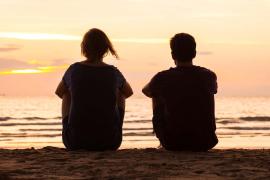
93,98
183,100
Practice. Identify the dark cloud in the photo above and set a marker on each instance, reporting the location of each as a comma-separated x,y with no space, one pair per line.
9,47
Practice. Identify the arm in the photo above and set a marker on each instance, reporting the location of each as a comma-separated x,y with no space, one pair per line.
158,115
153,88
63,92
66,100
61,89
122,94
126,90
216,85
147,91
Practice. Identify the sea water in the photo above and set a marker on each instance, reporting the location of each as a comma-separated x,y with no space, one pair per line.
242,122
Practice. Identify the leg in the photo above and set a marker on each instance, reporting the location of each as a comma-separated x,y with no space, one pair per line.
66,104
158,118
66,100
121,103
65,136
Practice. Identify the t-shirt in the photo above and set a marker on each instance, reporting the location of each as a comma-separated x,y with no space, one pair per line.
188,77
93,115
120,79
187,96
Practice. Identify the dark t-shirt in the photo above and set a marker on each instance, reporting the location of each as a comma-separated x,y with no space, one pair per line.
93,116
185,112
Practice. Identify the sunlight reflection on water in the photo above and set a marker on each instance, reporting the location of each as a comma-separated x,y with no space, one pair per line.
242,122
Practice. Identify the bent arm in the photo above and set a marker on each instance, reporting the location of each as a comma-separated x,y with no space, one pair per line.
63,92
66,101
61,89
147,91
126,90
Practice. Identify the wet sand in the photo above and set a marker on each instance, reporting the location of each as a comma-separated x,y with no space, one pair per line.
57,163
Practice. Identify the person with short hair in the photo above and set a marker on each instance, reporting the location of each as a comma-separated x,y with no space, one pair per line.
93,98
183,100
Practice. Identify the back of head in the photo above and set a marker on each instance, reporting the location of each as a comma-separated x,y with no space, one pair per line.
183,47
95,45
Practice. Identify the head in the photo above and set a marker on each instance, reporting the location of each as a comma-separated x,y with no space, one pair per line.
96,45
183,47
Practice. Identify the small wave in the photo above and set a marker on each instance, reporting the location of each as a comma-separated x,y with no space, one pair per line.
140,140
5,140
240,119
137,129
137,121
32,124
219,120
138,134
248,128
239,133
25,130
255,118
34,118
12,134
4,118
28,118
49,129
228,121
247,118
23,135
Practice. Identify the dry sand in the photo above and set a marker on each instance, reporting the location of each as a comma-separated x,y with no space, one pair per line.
57,163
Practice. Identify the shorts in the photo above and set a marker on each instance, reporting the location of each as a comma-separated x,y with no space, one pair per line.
72,144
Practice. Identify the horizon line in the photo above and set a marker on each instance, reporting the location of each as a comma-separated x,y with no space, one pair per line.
68,37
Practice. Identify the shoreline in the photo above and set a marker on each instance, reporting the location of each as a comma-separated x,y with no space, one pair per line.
234,142
58,163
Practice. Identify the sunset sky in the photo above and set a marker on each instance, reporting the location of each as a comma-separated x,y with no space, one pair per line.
40,39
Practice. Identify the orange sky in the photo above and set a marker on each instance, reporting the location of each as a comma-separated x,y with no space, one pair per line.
39,39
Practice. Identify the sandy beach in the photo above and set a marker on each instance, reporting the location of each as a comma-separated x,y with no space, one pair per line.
57,163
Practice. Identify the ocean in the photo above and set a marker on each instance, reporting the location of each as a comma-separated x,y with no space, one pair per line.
242,122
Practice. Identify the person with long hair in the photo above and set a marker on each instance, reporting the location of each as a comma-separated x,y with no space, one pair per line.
93,97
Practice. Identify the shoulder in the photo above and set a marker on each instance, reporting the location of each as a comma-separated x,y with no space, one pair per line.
70,69
115,69
120,79
207,72
160,76
72,66
164,73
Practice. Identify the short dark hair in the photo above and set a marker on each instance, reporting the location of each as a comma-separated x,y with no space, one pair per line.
183,47
95,45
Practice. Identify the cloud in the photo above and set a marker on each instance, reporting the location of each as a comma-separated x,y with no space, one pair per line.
142,40
12,66
36,70
9,47
60,62
205,53
38,36
6,63
68,37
